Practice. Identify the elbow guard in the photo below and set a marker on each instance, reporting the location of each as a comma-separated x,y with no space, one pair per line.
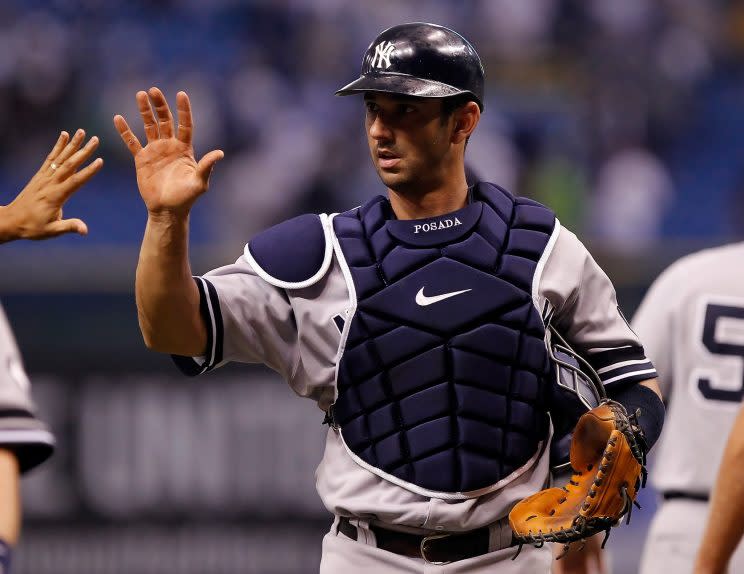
639,398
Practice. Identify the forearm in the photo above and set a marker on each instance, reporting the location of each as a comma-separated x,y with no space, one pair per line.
644,399
10,505
167,298
726,517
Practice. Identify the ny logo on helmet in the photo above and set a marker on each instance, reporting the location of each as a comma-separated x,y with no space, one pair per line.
383,51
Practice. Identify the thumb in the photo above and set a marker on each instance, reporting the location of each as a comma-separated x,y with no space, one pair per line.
66,226
206,164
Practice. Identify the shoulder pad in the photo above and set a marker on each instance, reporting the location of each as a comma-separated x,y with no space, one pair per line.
294,254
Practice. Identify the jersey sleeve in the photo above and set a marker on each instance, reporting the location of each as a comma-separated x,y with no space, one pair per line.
653,323
588,315
20,430
247,319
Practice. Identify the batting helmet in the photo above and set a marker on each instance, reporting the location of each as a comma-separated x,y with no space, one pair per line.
420,59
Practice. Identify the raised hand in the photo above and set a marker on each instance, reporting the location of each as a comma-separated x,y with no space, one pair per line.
169,178
36,213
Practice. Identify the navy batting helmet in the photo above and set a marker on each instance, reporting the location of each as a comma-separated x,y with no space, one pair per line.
420,59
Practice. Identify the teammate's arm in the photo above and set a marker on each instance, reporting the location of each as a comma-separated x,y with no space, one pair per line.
170,180
726,517
10,503
36,212
10,517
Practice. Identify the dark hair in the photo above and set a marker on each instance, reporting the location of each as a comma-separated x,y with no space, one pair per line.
452,103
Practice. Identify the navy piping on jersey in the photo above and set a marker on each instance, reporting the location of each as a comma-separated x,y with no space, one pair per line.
31,446
209,307
624,365
15,413
629,374
601,358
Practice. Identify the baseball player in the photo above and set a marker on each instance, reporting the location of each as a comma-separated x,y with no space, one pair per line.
692,324
726,517
36,213
415,321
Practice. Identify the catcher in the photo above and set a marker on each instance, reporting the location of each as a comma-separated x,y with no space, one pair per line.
416,322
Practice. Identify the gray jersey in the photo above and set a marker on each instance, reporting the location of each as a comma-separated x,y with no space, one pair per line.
692,324
20,430
298,333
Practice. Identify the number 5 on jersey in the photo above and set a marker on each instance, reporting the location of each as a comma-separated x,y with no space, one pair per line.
723,335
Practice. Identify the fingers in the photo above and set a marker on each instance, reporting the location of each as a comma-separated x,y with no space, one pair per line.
71,181
64,189
72,184
206,164
148,118
61,142
66,152
69,149
165,118
158,124
67,167
130,140
185,125
64,226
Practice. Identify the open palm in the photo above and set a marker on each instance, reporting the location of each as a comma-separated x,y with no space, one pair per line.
168,175
36,212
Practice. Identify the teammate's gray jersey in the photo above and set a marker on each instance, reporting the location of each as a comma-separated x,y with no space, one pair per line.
298,333
692,325
20,430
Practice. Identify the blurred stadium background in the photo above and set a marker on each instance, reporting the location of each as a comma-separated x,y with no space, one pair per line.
626,117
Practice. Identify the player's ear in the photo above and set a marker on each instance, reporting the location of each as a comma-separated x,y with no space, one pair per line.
466,118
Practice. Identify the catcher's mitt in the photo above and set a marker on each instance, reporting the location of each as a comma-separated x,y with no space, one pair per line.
608,463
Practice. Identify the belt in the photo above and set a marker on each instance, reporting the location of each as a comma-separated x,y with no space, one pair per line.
672,494
435,548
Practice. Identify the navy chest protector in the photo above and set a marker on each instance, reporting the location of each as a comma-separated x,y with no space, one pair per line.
442,385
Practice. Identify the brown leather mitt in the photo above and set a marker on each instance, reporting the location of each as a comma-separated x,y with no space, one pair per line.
608,462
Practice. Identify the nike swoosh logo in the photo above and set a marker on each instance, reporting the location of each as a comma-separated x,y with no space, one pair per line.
423,300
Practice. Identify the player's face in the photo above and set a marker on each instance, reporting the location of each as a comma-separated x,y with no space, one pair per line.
409,141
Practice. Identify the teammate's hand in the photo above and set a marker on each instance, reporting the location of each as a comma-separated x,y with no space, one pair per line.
36,213
587,560
169,177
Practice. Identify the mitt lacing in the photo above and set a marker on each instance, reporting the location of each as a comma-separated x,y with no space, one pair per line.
582,527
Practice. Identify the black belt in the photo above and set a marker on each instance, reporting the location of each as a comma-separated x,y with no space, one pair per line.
672,494
434,548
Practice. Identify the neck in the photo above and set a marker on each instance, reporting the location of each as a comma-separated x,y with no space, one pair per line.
431,203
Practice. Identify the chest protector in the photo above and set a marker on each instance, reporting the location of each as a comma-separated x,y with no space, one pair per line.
442,384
